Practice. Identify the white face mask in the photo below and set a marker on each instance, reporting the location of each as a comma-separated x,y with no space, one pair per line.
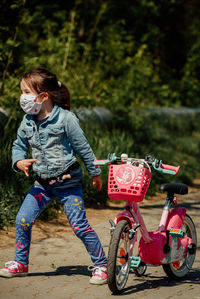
28,103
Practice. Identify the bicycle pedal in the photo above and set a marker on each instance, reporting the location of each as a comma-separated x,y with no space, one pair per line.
135,262
175,232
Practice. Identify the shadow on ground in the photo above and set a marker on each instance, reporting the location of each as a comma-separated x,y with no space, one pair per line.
152,282
65,270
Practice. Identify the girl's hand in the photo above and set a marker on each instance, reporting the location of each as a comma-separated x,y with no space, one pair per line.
97,182
25,164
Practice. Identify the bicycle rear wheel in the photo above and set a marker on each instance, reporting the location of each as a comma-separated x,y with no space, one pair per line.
118,257
180,269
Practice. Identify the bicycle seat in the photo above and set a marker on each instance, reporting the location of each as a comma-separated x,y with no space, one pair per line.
177,188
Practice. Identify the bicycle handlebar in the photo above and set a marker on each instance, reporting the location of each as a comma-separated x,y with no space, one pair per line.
169,169
151,161
112,159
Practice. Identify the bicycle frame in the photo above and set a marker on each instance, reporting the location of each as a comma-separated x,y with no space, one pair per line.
169,219
132,214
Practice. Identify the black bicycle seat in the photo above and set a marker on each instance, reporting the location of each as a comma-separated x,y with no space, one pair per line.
176,188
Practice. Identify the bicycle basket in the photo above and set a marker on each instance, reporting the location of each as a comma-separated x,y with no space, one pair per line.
128,182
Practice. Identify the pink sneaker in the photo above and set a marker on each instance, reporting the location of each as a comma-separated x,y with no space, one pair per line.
13,269
99,274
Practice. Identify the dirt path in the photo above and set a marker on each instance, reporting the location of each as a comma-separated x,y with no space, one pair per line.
59,261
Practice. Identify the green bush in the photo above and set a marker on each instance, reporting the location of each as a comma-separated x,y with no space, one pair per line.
175,140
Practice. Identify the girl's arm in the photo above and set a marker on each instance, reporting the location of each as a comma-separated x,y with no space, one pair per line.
80,144
20,147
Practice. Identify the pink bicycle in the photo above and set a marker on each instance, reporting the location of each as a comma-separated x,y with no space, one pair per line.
172,245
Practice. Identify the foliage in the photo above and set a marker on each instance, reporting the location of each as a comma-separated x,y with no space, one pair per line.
172,139
135,52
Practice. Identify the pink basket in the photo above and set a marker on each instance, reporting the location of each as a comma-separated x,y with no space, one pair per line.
128,182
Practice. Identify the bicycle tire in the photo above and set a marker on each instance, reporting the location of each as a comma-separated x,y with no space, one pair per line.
118,264
186,264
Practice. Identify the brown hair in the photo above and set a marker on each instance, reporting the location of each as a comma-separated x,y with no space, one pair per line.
42,80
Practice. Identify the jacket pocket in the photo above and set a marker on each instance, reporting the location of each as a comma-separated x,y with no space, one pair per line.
54,137
55,130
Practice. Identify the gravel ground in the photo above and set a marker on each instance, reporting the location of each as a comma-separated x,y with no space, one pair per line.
59,261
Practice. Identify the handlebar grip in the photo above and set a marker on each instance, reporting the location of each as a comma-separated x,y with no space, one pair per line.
111,159
101,162
170,167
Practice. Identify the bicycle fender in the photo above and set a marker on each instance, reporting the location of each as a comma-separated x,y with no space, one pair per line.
124,217
176,218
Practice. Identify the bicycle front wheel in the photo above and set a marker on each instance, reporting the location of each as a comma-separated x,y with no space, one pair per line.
118,257
180,269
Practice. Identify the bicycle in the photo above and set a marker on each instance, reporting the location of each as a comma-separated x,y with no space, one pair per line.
172,245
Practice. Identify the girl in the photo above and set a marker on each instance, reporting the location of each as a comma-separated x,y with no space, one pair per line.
55,137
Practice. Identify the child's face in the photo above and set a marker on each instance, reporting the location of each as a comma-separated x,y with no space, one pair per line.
25,89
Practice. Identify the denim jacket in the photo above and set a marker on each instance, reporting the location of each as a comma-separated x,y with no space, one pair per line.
54,144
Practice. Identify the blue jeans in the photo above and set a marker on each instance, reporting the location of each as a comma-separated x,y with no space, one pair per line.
36,201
